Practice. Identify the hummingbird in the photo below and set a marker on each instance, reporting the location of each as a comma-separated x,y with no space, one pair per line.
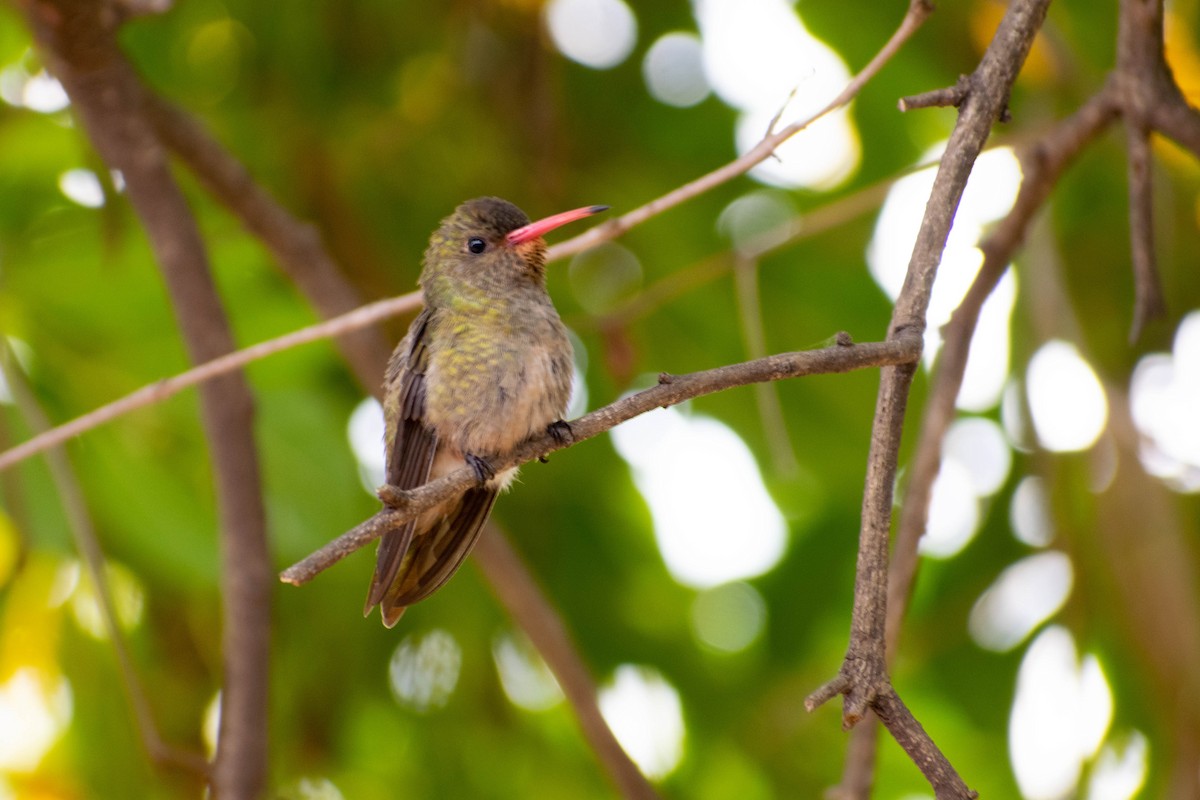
484,366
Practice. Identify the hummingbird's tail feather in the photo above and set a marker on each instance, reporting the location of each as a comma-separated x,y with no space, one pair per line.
436,555
392,549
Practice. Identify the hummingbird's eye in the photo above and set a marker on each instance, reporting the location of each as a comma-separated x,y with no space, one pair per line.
476,245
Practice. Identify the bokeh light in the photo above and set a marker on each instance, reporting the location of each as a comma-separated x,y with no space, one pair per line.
1029,513
1164,397
38,91
1060,715
674,70
728,618
128,600
645,715
603,277
210,724
953,512
526,679
82,186
597,33
423,671
713,518
35,709
979,445
757,220
313,789
1024,596
1119,772
365,431
988,367
762,60
1066,400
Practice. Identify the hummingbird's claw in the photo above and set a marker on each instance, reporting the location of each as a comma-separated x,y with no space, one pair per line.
561,432
483,470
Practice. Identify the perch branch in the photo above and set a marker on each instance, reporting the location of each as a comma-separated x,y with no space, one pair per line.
670,390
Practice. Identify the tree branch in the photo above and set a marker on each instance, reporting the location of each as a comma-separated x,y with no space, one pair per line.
863,677
1042,165
517,590
80,38
670,390
1143,82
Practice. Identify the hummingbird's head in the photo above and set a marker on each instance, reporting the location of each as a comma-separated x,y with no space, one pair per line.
490,241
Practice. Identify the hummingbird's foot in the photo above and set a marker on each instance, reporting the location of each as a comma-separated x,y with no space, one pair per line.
483,470
561,432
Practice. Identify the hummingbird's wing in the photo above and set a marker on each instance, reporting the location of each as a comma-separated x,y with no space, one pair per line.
411,445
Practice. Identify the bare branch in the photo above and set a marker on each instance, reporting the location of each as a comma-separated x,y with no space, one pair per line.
1043,164
80,38
909,734
1148,302
918,12
1143,81
671,389
518,591
863,677
1175,118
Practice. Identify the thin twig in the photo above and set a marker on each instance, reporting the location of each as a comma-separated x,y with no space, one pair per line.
168,387
939,98
671,389
86,542
518,591
918,12
755,339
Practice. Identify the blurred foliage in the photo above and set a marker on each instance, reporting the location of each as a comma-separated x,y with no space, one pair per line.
374,119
